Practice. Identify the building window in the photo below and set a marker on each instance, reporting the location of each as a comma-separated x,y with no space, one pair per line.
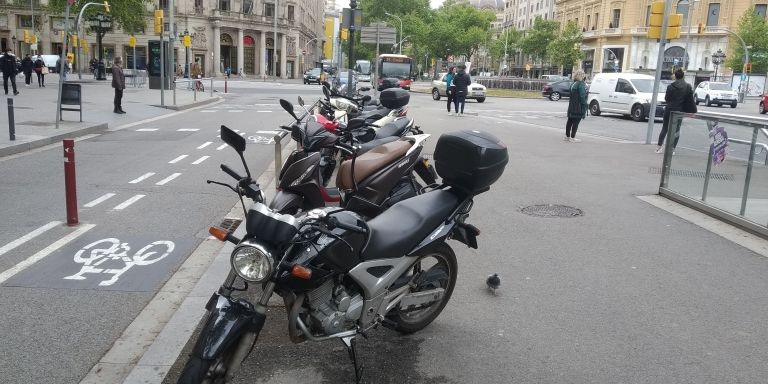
163,4
25,21
290,12
616,18
713,13
683,10
594,26
587,23
761,9
648,16
224,5
247,6
199,6
269,10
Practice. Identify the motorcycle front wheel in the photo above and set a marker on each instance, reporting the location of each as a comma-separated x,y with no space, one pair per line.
207,371
435,270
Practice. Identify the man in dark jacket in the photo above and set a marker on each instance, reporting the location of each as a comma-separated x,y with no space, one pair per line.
461,83
675,97
26,67
118,83
8,66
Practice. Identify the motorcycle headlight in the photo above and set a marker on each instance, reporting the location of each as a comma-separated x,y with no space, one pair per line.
252,262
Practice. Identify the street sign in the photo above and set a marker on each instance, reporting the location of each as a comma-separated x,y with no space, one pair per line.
386,35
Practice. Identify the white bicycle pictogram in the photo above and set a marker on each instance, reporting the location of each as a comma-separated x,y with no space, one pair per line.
93,258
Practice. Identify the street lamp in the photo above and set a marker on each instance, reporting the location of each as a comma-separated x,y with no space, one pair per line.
304,52
615,59
13,39
401,28
399,44
717,59
100,24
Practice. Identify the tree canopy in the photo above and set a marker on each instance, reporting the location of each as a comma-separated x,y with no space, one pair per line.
565,49
129,15
754,30
537,39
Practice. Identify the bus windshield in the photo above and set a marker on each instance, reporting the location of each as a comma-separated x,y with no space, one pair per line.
364,68
400,70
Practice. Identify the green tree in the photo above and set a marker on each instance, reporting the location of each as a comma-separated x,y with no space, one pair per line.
537,39
129,15
754,30
458,30
510,38
565,48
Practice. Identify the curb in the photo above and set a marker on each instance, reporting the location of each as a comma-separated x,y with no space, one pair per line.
194,104
23,147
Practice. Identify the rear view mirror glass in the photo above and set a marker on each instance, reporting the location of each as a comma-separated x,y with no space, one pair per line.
288,107
233,139
301,101
327,92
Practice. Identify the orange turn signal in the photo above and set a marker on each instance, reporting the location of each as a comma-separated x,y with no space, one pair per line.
301,272
219,233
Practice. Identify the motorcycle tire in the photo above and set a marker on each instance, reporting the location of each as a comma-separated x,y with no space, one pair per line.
445,270
196,371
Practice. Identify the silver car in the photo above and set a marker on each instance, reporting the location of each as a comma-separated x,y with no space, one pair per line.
474,91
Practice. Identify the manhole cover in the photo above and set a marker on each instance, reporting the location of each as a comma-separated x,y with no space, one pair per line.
552,210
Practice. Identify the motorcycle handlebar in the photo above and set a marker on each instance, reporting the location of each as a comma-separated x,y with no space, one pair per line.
230,172
334,222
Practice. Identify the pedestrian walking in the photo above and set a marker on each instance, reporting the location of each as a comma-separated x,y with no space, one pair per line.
450,89
63,68
8,66
196,72
679,97
40,70
461,83
118,83
26,67
93,66
577,106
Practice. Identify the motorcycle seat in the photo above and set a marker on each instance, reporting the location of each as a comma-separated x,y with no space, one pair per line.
396,231
395,128
365,147
370,162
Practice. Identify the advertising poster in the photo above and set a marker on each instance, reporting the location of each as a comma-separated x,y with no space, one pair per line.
719,139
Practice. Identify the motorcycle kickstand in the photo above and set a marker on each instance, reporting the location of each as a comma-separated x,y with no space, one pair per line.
351,345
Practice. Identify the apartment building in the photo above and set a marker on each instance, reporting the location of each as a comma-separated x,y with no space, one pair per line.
520,14
615,39
236,34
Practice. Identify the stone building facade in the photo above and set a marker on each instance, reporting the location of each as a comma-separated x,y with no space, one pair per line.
235,34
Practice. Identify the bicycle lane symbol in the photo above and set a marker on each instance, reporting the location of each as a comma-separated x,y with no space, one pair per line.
110,258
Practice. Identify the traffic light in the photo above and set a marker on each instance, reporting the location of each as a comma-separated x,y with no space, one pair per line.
748,68
159,21
26,36
344,34
73,40
106,6
656,20
673,26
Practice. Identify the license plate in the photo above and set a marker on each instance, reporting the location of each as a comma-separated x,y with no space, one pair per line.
477,93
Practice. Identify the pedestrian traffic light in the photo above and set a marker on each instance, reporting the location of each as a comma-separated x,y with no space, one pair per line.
656,20
673,26
26,36
106,6
73,41
344,34
159,21
748,68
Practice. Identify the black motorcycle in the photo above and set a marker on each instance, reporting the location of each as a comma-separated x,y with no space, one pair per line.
339,274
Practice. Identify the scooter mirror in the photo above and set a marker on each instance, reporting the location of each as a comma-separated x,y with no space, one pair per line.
366,98
233,139
301,101
288,108
326,84
327,92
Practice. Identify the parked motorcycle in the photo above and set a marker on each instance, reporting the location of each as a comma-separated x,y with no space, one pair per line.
339,274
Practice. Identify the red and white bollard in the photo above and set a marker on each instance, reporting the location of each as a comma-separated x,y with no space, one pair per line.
70,186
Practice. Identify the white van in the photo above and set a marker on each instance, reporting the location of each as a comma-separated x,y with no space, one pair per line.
624,93
49,60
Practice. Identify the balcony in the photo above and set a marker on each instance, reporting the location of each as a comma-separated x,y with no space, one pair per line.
639,30
589,34
612,31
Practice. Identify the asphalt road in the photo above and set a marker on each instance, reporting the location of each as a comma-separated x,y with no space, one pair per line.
625,293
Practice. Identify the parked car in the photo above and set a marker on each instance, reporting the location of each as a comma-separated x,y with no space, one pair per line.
625,93
763,103
312,76
475,90
711,92
557,89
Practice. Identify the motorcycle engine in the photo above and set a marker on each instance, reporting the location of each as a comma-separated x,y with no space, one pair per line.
333,309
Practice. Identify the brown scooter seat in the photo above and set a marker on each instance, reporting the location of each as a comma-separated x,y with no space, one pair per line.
370,162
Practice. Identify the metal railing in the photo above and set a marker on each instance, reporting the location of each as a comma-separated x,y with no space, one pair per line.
514,83
191,86
708,174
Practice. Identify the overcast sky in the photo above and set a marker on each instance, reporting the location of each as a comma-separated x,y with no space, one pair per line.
345,3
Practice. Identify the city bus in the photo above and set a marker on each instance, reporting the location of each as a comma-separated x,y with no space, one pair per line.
397,66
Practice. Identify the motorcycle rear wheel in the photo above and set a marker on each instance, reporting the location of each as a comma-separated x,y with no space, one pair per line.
439,273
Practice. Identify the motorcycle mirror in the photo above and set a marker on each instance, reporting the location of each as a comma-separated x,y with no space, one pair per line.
327,92
237,142
326,84
301,101
288,108
366,98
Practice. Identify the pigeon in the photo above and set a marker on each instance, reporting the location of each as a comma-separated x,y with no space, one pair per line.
493,282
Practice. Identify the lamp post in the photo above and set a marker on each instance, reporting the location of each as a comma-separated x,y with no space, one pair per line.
717,59
401,30
100,24
615,59
304,52
399,44
13,39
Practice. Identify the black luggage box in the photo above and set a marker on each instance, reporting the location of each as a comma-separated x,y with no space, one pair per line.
470,160
394,98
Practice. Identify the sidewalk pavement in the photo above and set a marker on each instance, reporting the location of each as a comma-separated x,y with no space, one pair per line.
35,110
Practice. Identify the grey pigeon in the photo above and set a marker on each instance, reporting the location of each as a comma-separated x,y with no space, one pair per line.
493,282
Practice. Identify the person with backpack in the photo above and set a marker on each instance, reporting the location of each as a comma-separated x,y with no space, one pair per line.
461,83
40,70
450,89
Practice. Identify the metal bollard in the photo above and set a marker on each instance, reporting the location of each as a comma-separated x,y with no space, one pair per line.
70,187
194,90
211,86
225,85
278,156
11,121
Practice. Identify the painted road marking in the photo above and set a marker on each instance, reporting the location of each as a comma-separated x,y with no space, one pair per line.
207,143
142,177
146,130
264,111
176,160
208,111
187,130
200,160
235,110
128,202
27,237
101,199
10,272
220,147
116,252
167,179
242,133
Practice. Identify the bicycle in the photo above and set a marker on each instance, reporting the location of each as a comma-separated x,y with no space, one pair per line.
199,85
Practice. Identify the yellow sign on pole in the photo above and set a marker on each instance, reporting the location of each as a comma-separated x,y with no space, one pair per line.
132,42
187,41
